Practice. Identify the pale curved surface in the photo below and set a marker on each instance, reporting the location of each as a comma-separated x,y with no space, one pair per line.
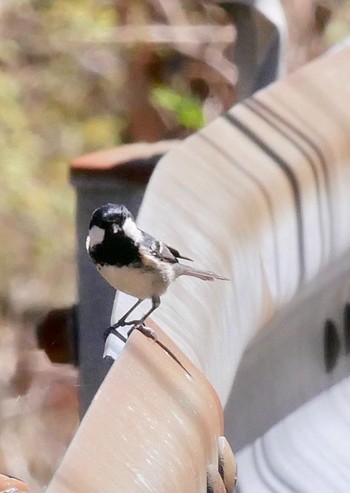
261,195
150,428
12,485
308,451
285,367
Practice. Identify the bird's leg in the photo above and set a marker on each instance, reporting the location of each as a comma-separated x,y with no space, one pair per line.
155,305
120,323
147,331
135,323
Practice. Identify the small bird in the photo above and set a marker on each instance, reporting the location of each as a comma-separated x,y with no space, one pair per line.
133,261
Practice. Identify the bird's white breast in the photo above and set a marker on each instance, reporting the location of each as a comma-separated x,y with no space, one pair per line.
137,282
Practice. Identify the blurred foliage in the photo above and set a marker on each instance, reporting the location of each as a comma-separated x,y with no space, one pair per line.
53,106
310,23
188,109
339,28
81,75
68,87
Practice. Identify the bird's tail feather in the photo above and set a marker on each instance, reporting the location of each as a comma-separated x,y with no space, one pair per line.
201,274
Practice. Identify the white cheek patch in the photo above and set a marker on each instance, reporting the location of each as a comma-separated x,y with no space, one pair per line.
96,236
132,231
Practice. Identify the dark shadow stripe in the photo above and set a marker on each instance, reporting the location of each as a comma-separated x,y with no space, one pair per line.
323,160
263,112
251,105
264,192
291,179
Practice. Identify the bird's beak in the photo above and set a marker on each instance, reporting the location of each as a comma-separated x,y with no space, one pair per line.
115,228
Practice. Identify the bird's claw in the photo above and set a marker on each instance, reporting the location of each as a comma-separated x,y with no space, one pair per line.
147,331
120,323
113,330
106,333
136,326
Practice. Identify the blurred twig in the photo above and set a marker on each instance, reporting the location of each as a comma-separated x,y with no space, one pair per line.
156,33
206,43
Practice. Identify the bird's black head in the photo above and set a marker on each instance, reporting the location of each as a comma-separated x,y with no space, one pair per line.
106,215
113,237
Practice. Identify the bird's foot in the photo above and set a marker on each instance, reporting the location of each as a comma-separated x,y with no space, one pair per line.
121,323
113,330
147,331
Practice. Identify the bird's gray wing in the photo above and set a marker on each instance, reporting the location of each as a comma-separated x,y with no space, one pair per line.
176,253
160,250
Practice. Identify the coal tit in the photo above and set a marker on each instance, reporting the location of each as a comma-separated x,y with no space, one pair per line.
133,261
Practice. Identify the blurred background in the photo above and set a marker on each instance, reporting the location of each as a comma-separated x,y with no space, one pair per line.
78,76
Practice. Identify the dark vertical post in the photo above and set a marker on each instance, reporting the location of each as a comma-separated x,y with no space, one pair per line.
117,175
258,53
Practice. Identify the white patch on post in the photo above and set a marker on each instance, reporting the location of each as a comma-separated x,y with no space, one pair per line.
132,231
95,237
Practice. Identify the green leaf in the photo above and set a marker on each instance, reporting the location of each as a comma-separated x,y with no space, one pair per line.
188,109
